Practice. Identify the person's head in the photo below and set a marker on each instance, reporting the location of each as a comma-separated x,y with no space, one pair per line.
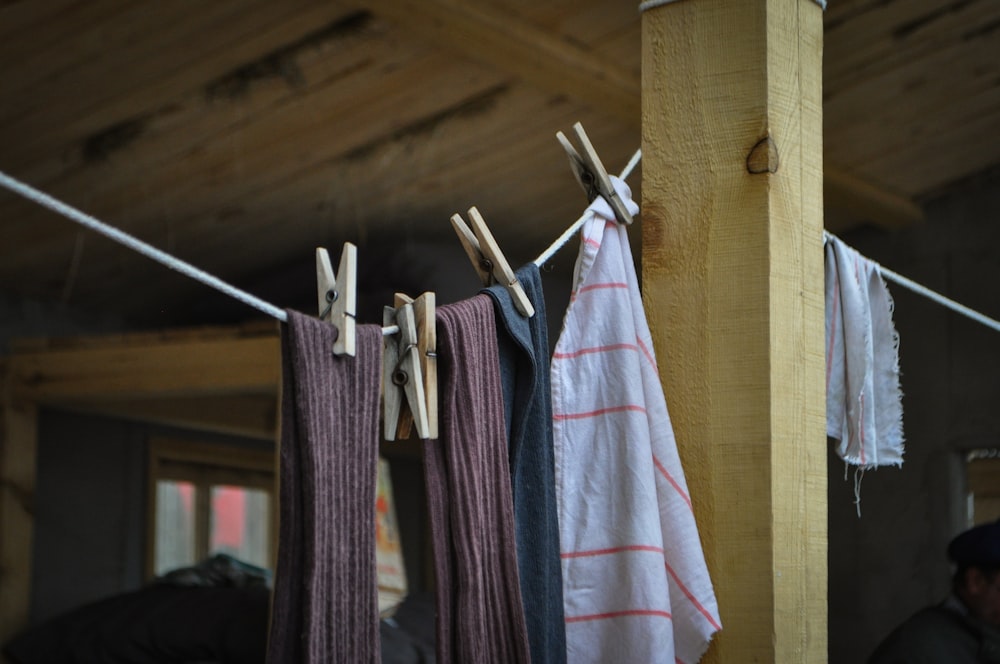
976,553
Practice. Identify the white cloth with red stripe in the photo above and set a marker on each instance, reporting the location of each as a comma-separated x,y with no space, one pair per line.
864,408
635,584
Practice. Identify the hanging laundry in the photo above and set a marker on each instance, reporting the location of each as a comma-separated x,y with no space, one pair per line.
864,408
325,604
635,582
479,611
524,349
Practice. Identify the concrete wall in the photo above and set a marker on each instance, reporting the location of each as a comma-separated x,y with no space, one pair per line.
890,561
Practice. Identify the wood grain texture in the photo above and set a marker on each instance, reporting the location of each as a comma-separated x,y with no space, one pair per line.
732,282
908,86
550,61
183,368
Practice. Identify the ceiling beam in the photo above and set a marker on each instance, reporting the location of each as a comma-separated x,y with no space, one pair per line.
549,62
148,369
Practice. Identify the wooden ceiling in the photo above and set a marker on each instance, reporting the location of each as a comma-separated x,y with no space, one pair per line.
240,134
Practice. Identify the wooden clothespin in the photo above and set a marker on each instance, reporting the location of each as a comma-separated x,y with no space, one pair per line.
591,174
338,296
410,369
487,259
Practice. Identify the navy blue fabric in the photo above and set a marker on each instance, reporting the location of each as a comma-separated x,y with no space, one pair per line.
524,375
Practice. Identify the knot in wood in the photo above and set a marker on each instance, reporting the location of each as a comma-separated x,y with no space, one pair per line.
763,157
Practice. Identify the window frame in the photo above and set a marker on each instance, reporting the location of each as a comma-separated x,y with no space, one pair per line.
983,481
205,465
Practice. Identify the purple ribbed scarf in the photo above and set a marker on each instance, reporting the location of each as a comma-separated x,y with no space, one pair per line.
325,603
480,615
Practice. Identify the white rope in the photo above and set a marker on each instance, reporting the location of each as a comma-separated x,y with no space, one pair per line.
569,232
138,245
931,295
147,250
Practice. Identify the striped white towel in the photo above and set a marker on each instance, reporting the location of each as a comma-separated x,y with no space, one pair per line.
635,583
864,409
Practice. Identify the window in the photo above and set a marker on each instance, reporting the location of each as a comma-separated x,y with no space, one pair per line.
983,468
207,499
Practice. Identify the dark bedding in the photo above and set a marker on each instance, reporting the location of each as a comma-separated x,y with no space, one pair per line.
165,623
157,624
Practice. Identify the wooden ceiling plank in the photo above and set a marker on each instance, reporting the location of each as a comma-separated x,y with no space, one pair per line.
157,82
909,135
894,34
135,37
271,144
520,48
964,151
37,26
171,139
594,22
198,136
195,118
906,127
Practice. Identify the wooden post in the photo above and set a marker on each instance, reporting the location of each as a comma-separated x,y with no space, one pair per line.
732,218
18,442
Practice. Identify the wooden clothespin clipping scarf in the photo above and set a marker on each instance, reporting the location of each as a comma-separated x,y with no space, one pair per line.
591,174
487,259
409,385
338,296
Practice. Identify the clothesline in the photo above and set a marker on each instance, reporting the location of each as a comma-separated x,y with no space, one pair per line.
139,246
931,295
174,263
569,232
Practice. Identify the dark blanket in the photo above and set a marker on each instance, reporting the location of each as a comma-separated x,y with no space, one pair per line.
160,623
178,624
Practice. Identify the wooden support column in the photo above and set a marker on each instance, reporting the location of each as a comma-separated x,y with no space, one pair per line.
732,218
18,441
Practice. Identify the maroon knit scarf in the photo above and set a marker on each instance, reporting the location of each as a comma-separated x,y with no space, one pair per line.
480,616
325,603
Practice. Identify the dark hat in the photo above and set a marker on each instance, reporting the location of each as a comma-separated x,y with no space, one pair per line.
977,546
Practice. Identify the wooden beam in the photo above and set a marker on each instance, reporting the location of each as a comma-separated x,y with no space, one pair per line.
18,442
497,38
733,285
174,368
